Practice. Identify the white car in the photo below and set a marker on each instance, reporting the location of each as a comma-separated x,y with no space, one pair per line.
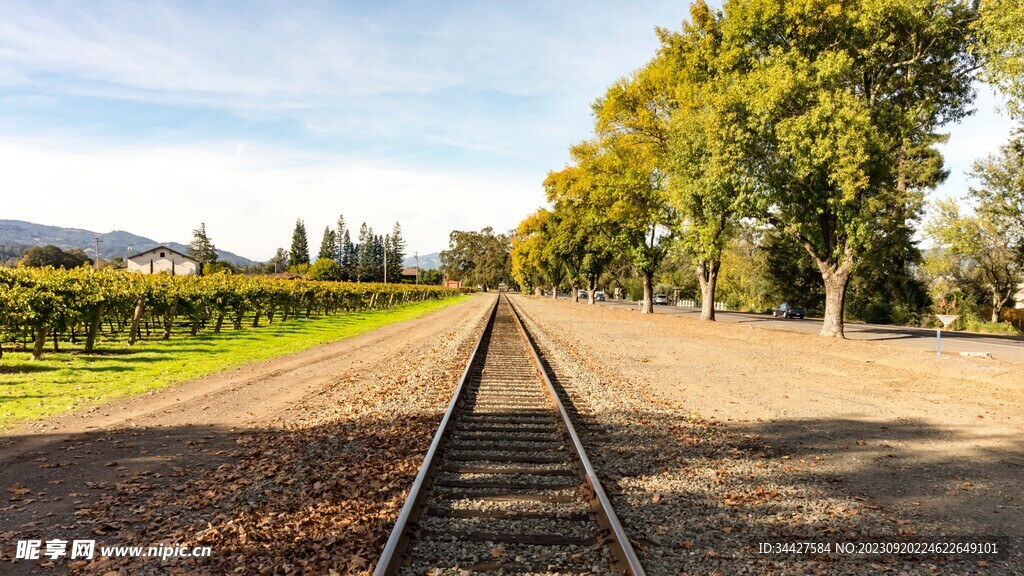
660,300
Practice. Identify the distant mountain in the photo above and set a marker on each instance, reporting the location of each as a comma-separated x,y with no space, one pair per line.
116,243
430,261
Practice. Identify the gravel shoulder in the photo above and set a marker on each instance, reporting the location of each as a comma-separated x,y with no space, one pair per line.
291,466
717,437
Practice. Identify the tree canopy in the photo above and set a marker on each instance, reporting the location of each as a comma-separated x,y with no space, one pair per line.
327,245
201,248
980,250
818,120
1000,29
50,255
299,254
477,258
395,254
533,262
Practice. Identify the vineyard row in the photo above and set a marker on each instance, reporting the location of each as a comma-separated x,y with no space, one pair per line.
42,304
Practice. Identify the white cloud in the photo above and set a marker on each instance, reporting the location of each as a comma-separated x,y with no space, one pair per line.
503,84
248,195
292,57
406,71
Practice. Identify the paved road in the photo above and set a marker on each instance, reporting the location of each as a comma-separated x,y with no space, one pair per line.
1007,347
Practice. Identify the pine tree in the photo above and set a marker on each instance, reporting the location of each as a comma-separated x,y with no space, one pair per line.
385,257
348,258
366,263
378,259
327,249
396,254
201,248
299,253
339,240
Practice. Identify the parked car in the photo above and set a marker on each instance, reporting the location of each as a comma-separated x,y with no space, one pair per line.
660,300
582,293
599,297
785,310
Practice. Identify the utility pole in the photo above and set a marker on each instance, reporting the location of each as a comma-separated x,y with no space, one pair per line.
97,263
417,255
128,253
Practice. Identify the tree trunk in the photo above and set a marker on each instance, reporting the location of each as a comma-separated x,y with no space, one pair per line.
256,319
94,327
591,288
270,313
37,351
647,304
169,319
575,292
133,332
284,316
836,280
998,300
220,322
239,313
196,318
707,274
836,283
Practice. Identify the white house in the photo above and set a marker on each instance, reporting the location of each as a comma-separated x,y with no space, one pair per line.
163,259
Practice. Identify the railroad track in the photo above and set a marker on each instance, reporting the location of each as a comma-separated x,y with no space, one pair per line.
506,485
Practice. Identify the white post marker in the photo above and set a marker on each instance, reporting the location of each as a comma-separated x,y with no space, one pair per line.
946,320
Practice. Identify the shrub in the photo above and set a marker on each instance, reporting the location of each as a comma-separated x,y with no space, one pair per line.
300,269
972,322
324,269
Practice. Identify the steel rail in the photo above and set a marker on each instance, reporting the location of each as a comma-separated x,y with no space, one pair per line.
389,558
621,539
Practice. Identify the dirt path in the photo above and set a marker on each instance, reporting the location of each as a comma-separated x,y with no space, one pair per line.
934,442
77,476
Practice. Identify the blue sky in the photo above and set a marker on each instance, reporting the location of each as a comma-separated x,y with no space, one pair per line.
152,117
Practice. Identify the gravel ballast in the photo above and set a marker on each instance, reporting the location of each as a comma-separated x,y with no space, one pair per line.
697,498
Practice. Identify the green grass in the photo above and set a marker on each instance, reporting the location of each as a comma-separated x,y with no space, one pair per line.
69,379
